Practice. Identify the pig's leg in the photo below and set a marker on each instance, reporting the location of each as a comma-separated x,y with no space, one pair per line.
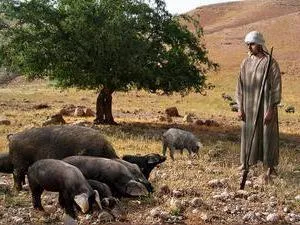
172,149
190,153
19,178
164,149
61,200
36,193
67,203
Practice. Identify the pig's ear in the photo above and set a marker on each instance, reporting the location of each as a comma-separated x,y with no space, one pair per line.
82,201
97,199
199,145
134,188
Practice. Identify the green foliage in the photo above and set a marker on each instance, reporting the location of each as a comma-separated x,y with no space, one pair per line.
118,44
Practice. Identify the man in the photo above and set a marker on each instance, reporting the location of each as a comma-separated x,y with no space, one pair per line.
259,103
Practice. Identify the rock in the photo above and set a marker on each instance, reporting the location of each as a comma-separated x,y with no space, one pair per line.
273,217
79,111
55,119
165,189
199,122
88,112
105,217
41,106
210,123
169,119
155,212
253,198
172,112
249,216
272,204
67,110
234,108
204,216
17,220
161,118
187,118
241,194
290,109
215,183
196,202
83,123
226,209
4,121
297,198
223,196
118,213
286,209
195,211
175,204
226,97
177,193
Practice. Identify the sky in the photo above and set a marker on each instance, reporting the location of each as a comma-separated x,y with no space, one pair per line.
182,6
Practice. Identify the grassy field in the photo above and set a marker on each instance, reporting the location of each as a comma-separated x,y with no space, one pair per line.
139,132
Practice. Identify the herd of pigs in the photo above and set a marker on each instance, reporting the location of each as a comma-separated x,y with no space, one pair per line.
83,167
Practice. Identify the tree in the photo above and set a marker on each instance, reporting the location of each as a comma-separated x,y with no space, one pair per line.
109,45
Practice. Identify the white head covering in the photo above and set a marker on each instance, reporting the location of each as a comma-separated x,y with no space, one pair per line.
257,38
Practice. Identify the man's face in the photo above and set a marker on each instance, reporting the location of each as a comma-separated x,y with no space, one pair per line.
254,48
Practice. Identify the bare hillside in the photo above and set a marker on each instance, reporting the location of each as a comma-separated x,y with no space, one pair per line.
226,24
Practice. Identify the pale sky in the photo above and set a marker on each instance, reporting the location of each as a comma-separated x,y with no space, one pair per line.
182,6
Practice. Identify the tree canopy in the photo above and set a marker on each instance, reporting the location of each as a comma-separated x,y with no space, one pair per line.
112,44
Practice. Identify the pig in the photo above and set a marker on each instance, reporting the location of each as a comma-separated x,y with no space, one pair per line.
6,165
146,163
179,139
58,176
123,178
106,198
56,142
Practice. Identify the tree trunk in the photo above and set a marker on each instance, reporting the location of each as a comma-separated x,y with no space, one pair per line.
104,107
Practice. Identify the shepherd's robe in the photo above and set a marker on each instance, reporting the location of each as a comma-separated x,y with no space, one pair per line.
265,143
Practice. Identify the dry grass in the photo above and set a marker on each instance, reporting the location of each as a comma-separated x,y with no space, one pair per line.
139,133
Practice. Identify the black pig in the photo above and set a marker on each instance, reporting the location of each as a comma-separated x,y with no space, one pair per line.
58,176
123,178
106,198
56,142
146,163
6,165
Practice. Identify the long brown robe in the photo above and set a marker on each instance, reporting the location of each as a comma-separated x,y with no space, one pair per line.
265,144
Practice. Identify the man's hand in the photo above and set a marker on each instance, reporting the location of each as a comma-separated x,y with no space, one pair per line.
241,115
268,115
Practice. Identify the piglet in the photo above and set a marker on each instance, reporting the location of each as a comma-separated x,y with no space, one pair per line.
177,139
58,176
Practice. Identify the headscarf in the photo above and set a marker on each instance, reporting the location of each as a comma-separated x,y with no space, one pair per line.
257,38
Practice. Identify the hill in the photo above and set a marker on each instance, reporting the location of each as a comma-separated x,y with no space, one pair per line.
226,24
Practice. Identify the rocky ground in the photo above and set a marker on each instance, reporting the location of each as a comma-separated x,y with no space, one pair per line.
218,201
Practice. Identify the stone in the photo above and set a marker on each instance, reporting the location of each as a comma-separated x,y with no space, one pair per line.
196,202
105,217
89,112
41,106
199,122
55,119
79,111
187,118
272,217
4,121
172,112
